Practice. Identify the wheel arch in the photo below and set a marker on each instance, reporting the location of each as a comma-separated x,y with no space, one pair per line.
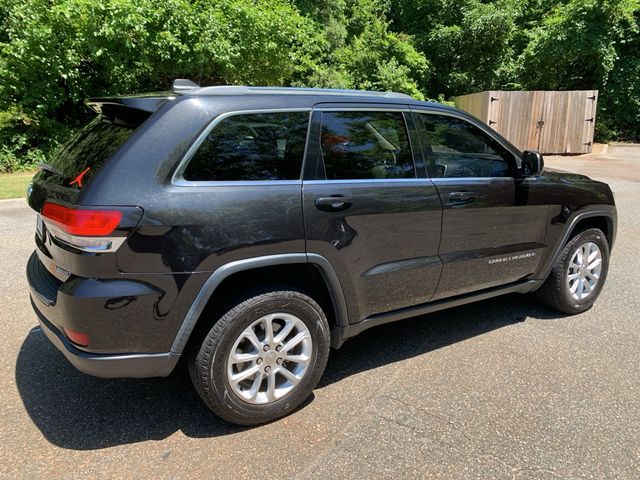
241,269
602,222
602,216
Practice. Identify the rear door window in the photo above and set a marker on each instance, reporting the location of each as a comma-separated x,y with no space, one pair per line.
365,145
252,147
77,161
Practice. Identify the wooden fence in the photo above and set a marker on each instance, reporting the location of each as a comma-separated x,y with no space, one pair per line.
547,121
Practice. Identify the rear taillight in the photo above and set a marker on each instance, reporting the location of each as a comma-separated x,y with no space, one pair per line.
88,223
86,230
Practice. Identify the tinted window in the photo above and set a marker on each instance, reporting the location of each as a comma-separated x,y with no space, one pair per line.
357,145
459,149
81,157
256,146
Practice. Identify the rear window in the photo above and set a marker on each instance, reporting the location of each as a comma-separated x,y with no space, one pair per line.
256,146
77,161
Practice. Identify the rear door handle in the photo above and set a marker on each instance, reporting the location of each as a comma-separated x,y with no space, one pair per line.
333,202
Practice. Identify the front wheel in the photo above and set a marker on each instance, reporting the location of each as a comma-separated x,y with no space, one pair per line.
262,358
578,274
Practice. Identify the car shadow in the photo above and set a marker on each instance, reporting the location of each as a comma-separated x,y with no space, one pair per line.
79,412
398,341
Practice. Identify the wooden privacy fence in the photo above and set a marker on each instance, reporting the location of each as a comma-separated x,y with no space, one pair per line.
547,121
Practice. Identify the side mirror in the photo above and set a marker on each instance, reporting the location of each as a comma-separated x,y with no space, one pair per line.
532,164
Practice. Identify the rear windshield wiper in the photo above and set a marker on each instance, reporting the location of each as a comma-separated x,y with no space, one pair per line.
50,168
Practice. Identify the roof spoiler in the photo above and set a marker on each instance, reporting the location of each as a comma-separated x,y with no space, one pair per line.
128,111
183,85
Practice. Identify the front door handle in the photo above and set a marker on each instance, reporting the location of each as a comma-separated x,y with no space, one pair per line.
463,196
333,202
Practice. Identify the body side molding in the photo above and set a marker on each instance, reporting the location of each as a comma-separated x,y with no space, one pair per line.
343,333
216,278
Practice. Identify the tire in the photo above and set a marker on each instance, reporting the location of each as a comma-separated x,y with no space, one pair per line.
556,292
213,370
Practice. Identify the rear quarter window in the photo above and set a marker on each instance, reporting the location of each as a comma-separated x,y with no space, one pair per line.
252,147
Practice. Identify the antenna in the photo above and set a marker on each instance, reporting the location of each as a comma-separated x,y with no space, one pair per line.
183,85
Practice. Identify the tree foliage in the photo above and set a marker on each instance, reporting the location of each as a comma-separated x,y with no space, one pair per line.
55,53
360,51
475,45
587,44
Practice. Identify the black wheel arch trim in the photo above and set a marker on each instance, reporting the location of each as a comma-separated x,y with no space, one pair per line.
606,211
223,272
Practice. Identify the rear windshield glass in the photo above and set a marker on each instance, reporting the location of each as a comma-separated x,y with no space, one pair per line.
75,163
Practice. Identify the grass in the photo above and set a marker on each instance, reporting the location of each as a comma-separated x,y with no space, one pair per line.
14,185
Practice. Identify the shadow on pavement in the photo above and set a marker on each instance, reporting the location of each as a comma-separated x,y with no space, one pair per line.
79,412
398,341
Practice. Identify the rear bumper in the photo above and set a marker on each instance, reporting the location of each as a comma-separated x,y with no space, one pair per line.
109,366
44,299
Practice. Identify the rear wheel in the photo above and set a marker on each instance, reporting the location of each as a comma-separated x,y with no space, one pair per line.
262,358
578,274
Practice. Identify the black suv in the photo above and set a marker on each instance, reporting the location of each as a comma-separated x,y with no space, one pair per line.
251,229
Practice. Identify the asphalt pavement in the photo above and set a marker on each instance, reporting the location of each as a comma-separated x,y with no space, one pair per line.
499,389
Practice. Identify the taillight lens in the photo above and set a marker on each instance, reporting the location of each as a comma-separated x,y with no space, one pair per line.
78,338
90,223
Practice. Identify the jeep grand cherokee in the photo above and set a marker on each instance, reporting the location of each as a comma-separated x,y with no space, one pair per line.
249,229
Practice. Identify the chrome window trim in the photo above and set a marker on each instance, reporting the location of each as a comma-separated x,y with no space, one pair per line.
234,183
457,180
417,180
178,180
363,109
420,180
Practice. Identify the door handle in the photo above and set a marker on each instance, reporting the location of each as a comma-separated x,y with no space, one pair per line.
464,196
333,202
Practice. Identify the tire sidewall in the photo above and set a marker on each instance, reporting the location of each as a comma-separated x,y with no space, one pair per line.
594,236
218,383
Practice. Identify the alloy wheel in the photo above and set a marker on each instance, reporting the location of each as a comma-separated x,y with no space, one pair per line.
584,270
269,358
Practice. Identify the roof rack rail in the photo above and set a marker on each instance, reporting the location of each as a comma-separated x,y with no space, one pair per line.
183,85
244,90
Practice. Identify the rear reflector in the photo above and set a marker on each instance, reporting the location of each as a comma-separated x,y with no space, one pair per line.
78,338
93,223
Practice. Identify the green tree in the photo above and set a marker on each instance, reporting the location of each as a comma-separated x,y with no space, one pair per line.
468,42
590,44
360,51
575,46
56,53
475,45
619,103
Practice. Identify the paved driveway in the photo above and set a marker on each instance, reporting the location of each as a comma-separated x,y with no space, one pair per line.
499,389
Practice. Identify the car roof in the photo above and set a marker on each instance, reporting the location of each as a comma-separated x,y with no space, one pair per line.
314,95
245,90
256,97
